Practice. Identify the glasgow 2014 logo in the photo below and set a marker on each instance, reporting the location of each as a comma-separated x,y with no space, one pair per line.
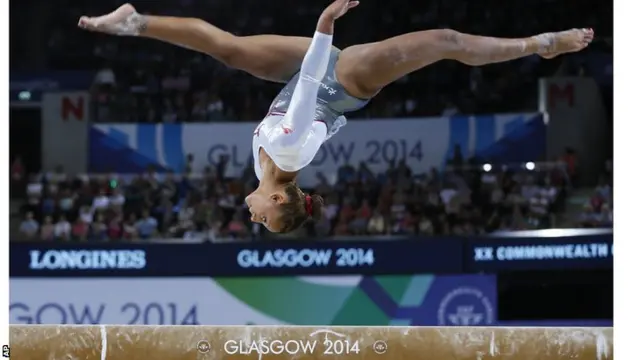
465,306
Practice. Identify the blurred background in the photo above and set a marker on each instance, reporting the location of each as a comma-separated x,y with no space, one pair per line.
459,196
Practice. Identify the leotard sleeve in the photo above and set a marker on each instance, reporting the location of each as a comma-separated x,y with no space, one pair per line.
298,120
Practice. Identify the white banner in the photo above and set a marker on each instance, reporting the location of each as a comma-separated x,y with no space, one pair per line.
285,300
65,118
166,301
424,143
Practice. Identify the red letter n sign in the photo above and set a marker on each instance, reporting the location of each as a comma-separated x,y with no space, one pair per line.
72,108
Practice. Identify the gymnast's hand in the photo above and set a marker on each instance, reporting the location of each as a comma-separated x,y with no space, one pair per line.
339,8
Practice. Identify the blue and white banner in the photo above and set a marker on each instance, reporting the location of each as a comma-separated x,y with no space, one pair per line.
417,300
421,299
423,143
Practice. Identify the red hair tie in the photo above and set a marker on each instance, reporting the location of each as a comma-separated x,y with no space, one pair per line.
309,204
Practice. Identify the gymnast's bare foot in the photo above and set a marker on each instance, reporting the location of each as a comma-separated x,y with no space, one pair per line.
554,44
123,21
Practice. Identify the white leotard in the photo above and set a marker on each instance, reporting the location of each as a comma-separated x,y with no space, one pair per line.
292,139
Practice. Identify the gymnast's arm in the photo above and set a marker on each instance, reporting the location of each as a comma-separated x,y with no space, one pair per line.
298,120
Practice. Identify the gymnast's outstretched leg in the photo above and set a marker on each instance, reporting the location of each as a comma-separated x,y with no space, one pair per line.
270,57
365,69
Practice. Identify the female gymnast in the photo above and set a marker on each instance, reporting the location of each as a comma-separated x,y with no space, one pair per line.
322,83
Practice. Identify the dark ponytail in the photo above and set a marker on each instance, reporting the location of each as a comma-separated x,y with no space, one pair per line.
316,207
299,208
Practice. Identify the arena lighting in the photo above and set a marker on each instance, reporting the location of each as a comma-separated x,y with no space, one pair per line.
551,233
24,95
486,167
530,165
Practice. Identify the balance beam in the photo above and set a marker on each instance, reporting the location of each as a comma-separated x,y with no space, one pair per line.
115,342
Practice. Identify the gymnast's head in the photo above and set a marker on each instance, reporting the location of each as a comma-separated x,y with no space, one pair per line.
284,208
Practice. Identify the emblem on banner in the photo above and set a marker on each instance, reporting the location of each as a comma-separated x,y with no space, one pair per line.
465,306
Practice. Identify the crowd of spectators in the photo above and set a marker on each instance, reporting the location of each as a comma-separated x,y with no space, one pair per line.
149,81
598,209
466,199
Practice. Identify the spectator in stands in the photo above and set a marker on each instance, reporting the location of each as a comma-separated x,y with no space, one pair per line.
598,210
199,107
117,199
237,228
80,229
359,223
29,226
185,220
146,226
48,204
47,229
66,202
425,226
98,229
105,77
34,190
85,215
322,227
607,216
603,190
129,229
62,229
589,217
570,159
115,228
377,224
214,108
